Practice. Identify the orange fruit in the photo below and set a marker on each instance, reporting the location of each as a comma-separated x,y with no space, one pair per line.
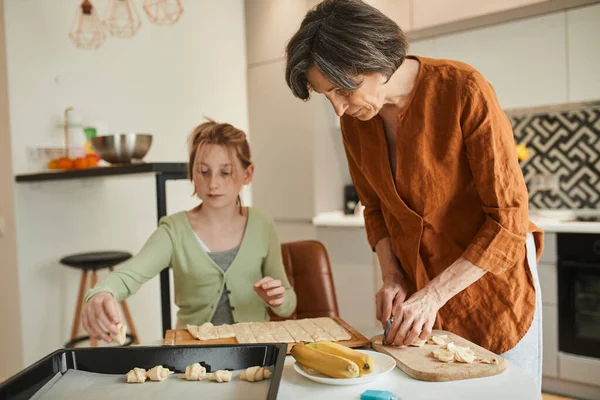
80,163
65,163
53,164
92,160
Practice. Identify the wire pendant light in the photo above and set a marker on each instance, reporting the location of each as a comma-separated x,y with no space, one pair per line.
86,31
122,19
163,12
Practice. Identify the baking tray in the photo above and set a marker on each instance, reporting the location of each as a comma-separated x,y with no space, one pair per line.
110,364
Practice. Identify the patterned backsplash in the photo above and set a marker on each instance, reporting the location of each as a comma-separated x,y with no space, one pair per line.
563,168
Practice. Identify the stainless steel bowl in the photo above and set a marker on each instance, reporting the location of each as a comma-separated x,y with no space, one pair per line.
122,148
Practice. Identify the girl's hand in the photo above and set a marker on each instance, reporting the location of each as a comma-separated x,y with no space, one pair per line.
101,313
270,290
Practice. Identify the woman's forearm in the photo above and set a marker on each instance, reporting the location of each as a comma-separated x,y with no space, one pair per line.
457,277
390,267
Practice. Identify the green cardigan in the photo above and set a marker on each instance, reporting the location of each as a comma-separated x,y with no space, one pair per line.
199,282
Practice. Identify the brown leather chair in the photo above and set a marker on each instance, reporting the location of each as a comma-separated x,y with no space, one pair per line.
309,272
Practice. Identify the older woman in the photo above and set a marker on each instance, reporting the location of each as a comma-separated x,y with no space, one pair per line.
433,159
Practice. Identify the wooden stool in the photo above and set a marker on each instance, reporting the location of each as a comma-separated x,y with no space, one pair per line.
93,262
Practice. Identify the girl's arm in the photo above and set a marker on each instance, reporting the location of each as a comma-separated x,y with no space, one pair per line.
154,256
273,267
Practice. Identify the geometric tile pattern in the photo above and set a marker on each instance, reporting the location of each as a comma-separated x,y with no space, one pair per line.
563,168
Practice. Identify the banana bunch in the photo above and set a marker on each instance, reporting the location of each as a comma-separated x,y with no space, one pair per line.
333,359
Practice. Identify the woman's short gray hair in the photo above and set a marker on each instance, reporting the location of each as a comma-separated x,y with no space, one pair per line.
343,39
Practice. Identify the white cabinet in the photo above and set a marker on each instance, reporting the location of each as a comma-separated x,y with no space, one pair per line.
579,369
582,37
549,255
550,341
269,25
353,273
429,13
282,146
494,49
397,10
548,283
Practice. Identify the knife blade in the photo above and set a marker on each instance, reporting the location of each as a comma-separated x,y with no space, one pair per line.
386,329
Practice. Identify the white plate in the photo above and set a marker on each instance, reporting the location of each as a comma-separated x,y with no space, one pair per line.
383,365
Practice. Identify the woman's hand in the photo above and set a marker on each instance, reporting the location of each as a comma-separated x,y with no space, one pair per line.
393,292
395,288
270,290
414,318
101,313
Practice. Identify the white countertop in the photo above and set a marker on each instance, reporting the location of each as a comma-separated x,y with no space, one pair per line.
338,219
512,384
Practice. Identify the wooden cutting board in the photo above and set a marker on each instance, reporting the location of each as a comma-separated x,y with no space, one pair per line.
417,362
181,337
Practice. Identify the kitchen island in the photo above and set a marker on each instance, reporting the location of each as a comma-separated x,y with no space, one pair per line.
513,384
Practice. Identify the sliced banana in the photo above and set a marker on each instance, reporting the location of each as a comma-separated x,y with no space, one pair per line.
418,343
435,339
443,355
464,356
493,360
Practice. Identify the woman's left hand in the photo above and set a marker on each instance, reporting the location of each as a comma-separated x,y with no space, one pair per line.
270,290
414,318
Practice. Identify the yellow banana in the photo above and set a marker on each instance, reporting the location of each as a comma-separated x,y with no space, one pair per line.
325,363
364,361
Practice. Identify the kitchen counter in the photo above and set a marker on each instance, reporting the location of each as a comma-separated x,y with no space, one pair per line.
123,169
512,384
338,219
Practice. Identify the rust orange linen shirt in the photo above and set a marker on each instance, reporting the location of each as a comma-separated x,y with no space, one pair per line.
458,191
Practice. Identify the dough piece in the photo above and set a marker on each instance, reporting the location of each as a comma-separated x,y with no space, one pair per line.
296,331
220,376
225,331
193,330
255,374
121,336
418,342
317,333
333,328
207,331
279,333
443,355
194,372
243,334
159,373
436,340
261,333
136,375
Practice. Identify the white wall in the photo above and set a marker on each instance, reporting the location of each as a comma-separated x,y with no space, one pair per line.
162,81
10,345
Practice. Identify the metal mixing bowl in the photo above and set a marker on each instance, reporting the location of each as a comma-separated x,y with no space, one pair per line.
122,148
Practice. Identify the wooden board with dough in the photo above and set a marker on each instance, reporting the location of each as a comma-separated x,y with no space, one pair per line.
419,362
289,331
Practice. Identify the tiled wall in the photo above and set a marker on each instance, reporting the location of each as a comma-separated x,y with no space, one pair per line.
563,168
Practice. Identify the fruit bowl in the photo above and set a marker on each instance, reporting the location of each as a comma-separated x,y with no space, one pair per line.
122,148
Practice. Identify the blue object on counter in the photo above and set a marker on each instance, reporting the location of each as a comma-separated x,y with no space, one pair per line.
378,395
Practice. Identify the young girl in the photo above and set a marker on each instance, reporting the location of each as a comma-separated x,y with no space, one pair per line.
226,259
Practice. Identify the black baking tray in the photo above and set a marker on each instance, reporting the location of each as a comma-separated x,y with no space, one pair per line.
119,360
